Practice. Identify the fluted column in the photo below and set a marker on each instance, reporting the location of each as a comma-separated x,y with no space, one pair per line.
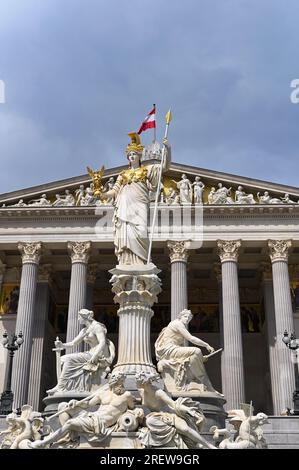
39,332
268,295
79,253
284,383
178,252
232,361
217,271
21,367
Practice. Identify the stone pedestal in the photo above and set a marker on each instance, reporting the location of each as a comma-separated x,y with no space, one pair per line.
136,289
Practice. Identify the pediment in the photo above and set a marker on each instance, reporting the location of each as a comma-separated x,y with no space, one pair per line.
209,178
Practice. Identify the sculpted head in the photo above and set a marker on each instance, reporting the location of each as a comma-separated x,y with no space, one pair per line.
85,315
185,316
116,382
134,150
197,178
262,418
144,378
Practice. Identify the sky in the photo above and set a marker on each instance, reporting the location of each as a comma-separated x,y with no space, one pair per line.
80,74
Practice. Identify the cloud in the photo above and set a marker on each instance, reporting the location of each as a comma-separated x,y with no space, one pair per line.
80,75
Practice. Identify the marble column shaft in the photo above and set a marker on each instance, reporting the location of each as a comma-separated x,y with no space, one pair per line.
284,382
232,361
39,332
271,336
217,270
179,290
79,252
21,365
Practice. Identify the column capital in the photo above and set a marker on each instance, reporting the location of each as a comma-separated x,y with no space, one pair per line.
178,250
44,273
217,271
279,250
79,251
30,252
266,270
92,271
228,250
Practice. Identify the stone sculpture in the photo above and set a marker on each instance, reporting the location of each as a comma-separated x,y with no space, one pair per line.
64,201
111,400
267,199
242,198
22,429
131,194
42,201
182,367
198,187
82,371
247,433
185,188
169,422
80,194
287,200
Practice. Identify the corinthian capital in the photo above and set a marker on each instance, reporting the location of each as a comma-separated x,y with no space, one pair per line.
79,251
30,252
228,250
178,251
279,249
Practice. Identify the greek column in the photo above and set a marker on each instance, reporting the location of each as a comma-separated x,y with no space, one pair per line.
232,361
178,252
268,295
37,374
31,253
217,271
284,382
79,253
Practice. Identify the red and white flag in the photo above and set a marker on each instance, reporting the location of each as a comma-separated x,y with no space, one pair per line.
149,122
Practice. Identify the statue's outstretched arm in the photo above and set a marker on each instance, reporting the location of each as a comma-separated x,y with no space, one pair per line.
193,339
77,340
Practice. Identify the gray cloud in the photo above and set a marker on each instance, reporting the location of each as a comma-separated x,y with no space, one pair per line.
80,75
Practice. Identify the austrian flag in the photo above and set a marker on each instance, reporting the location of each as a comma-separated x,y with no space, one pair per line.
149,122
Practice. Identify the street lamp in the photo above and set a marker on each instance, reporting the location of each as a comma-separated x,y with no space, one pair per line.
293,344
12,344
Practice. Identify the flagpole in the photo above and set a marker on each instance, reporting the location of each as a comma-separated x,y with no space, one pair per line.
168,119
155,124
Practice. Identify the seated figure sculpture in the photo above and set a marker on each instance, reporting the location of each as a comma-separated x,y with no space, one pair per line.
182,367
170,422
83,370
111,402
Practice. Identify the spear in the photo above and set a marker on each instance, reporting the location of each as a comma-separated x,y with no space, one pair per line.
168,119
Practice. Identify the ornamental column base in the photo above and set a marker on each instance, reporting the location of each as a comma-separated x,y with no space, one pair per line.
136,288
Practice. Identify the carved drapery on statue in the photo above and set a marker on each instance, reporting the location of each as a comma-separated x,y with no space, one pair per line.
131,213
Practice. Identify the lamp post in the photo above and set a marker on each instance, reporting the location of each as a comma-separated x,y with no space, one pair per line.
12,344
293,344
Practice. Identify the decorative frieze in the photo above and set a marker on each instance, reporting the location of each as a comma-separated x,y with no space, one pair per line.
279,250
30,252
178,250
228,250
79,251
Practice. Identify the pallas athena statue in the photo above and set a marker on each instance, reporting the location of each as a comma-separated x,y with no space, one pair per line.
131,193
